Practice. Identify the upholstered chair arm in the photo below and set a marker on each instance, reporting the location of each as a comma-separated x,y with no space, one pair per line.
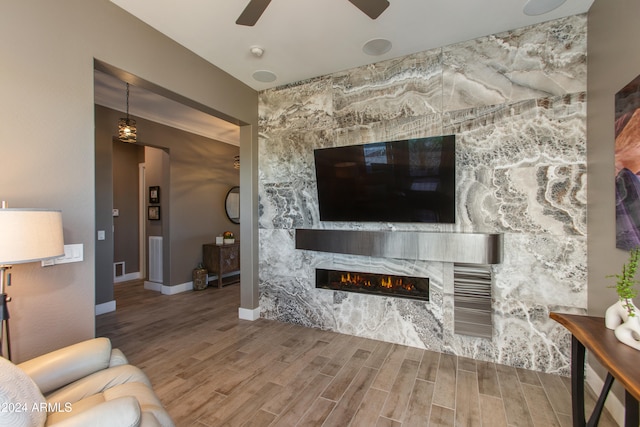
117,358
98,382
61,367
123,411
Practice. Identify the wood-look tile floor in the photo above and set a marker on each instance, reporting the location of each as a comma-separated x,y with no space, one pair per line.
211,369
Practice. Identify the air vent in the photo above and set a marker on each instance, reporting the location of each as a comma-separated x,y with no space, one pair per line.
472,300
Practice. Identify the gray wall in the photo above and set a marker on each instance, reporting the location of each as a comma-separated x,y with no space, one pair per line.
157,171
47,95
103,219
126,158
614,61
157,174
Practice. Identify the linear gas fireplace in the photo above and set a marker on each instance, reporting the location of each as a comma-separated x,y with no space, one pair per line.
372,283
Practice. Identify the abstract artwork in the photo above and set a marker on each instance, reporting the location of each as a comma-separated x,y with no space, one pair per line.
627,165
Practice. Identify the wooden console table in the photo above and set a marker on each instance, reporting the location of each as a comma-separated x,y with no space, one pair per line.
221,259
621,361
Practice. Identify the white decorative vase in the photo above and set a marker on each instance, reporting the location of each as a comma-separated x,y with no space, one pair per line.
227,241
629,332
626,328
618,313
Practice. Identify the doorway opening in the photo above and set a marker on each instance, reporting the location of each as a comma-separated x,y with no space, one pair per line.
197,171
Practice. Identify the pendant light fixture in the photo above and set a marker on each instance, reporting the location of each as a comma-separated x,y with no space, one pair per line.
127,127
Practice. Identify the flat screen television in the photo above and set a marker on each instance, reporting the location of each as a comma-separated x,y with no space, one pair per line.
412,180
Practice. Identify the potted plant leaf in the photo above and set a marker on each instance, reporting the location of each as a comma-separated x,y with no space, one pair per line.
626,289
622,316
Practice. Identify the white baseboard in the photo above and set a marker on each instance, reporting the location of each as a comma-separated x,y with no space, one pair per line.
613,404
176,289
153,286
168,290
106,307
188,286
127,277
249,314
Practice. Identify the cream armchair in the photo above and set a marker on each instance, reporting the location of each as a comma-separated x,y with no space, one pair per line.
86,384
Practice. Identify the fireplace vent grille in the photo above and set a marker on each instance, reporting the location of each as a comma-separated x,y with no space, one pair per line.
472,300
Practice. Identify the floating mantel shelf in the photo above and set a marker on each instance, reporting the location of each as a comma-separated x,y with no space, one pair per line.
468,248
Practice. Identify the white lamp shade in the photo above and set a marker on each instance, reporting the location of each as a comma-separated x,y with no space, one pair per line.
540,7
28,235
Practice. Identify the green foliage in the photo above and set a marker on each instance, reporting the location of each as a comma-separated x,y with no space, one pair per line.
626,282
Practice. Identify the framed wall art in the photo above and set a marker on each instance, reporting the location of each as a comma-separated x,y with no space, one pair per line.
154,194
627,165
153,213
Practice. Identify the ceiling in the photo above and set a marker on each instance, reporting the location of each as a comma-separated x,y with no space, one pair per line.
302,39
309,38
110,92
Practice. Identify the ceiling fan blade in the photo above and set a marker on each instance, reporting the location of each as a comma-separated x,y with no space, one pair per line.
252,12
372,8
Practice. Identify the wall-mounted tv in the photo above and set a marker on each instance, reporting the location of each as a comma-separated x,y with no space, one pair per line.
411,180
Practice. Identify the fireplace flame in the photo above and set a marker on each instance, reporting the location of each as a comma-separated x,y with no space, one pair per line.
410,287
388,283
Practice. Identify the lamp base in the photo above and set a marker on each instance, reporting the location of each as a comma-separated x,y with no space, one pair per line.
5,339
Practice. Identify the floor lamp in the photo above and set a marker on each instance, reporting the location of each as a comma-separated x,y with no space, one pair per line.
26,235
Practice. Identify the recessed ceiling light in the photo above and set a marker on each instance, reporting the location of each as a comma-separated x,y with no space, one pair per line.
264,76
377,47
539,7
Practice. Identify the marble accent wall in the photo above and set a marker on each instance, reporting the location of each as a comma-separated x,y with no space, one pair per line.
516,102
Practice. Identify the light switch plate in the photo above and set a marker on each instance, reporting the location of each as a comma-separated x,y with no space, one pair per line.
72,253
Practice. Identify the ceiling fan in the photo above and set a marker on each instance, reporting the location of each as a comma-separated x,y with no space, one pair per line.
255,8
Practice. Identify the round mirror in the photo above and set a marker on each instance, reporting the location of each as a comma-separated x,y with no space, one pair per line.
232,205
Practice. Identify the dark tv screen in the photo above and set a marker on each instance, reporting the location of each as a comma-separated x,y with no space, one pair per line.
411,180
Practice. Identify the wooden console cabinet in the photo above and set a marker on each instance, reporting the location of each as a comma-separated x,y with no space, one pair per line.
222,259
